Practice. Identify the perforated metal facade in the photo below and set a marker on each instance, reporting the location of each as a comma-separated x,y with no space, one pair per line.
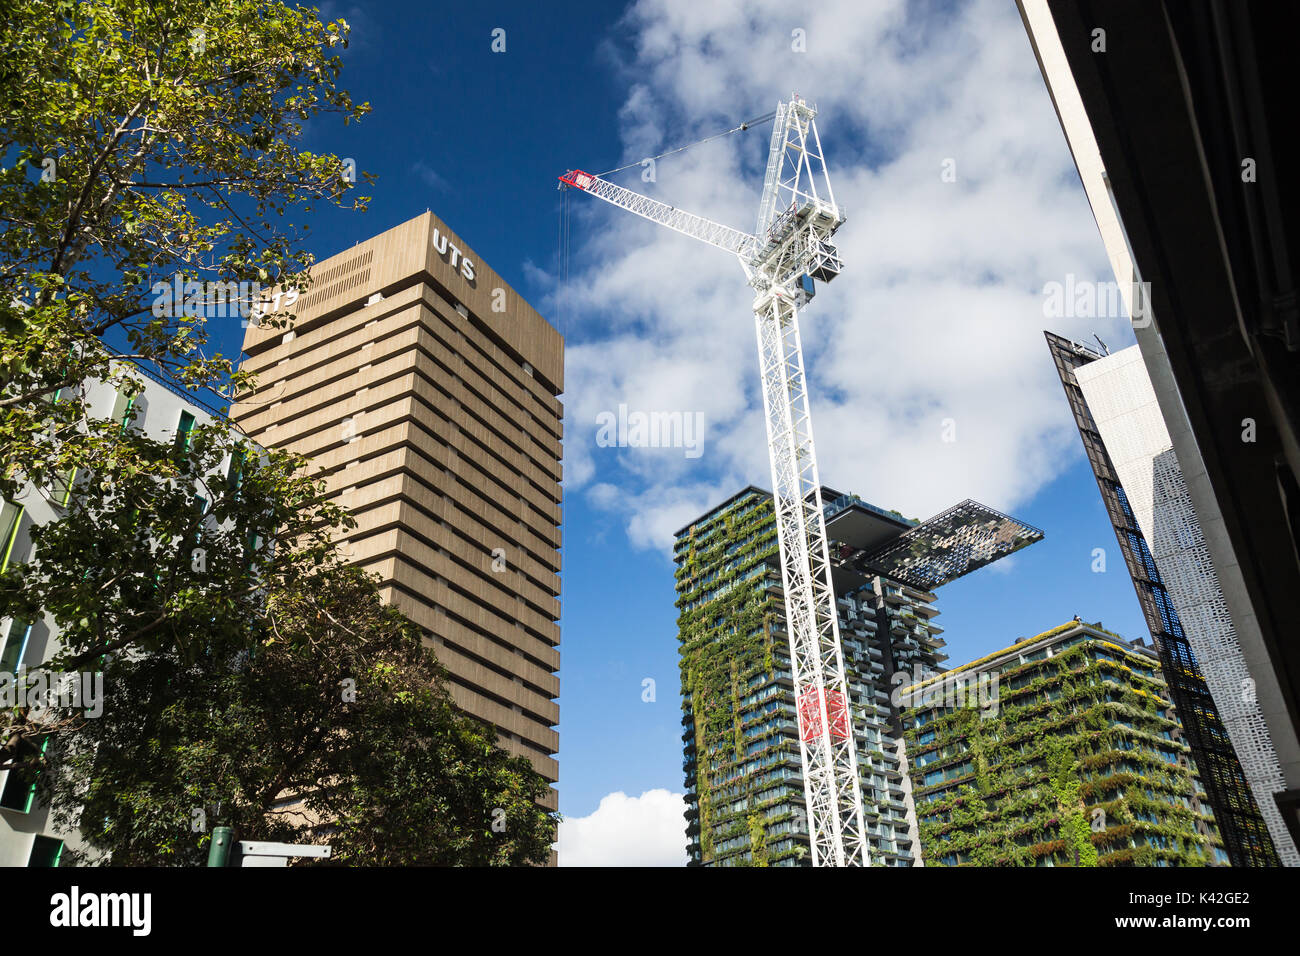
1245,835
1124,407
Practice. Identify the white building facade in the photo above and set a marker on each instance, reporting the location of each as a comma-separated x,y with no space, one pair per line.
162,411
1128,416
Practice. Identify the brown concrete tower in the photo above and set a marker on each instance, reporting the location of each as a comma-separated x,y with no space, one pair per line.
428,389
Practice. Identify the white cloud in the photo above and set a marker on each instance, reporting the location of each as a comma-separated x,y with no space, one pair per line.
939,312
429,175
648,830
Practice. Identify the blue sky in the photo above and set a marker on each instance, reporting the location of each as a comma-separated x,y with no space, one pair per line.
938,315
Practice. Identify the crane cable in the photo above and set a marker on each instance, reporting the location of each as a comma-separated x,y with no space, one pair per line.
757,120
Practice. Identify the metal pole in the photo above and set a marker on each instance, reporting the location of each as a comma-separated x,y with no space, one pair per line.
219,849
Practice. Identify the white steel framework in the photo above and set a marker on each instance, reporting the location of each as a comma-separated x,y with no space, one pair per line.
790,251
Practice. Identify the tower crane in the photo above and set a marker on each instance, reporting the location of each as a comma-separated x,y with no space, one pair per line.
790,251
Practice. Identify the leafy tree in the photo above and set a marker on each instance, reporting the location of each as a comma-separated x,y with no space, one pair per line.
145,143
161,547
244,665
158,549
149,145
337,727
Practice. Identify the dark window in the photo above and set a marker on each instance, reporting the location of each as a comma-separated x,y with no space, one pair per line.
20,789
45,851
12,656
183,432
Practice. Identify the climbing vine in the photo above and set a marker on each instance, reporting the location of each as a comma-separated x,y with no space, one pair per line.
1075,768
725,629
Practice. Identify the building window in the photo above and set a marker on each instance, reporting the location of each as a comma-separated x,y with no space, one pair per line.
12,655
19,792
61,488
45,851
16,795
11,516
236,474
123,406
183,431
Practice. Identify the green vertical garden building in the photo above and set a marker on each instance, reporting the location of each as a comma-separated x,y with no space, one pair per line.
1080,761
744,787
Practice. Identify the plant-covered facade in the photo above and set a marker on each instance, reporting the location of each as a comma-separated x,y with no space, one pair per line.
1080,760
744,788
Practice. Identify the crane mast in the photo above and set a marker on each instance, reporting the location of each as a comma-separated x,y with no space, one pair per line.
789,253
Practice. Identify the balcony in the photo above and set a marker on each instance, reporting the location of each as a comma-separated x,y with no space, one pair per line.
920,597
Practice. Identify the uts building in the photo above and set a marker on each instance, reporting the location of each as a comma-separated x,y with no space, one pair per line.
428,392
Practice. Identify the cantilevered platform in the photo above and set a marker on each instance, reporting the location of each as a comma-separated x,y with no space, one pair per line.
866,541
